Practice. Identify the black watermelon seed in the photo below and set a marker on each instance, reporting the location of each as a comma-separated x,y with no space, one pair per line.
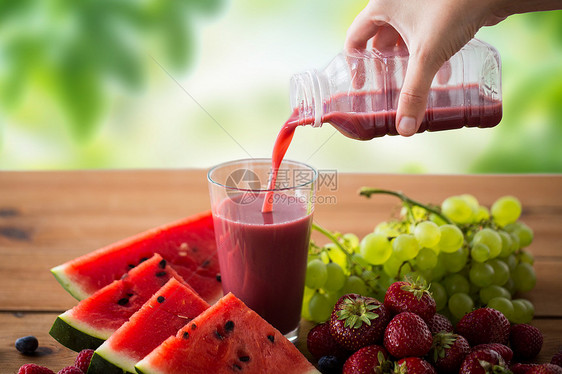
193,326
161,274
206,263
218,335
185,335
229,326
160,299
131,266
271,338
143,260
162,264
244,358
123,301
219,277
130,294
236,367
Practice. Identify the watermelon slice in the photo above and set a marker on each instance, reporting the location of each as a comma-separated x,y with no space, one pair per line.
228,337
168,310
94,319
188,245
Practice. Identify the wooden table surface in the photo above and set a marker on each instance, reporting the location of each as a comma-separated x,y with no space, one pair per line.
47,218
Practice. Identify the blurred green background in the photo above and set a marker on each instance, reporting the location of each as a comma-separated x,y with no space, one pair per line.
191,83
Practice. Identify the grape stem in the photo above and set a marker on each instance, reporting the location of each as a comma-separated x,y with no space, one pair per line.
368,191
332,238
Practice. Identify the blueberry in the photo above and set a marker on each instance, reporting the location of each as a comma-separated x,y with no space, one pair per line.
330,365
27,344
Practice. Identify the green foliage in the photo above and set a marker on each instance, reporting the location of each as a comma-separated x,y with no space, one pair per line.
74,51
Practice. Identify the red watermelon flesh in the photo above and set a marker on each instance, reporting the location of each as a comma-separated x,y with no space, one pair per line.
94,319
188,245
168,310
228,337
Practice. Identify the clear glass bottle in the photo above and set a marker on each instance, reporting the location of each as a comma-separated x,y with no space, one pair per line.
358,92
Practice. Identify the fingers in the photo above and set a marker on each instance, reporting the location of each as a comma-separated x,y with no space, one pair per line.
361,30
413,96
386,38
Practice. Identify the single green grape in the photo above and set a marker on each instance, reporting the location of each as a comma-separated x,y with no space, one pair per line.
427,234
507,244
375,248
316,274
388,229
501,271
506,210
471,200
488,293
439,295
526,256
482,214
455,283
405,247
460,304
391,266
522,231
439,271
524,277
480,252
455,261
481,274
504,305
491,239
523,311
457,209
426,259
511,261
335,254
351,240
336,277
354,284
451,238
320,307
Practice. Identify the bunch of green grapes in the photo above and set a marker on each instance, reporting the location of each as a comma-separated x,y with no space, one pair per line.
472,256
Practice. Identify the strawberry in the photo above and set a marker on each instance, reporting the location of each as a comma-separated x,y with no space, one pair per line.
413,365
34,369
439,323
321,343
369,359
407,335
448,352
521,368
83,359
70,370
545,369
557,359
358,321
502,350
410,296
526,341
484,325
483,362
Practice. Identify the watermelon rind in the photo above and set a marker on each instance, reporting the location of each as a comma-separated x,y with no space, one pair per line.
99,365
71,287
72,337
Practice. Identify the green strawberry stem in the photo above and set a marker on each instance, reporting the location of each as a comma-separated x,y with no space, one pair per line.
368,191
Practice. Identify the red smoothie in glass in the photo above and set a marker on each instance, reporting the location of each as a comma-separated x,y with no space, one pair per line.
263,255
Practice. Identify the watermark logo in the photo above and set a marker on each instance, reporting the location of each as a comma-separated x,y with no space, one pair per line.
244,186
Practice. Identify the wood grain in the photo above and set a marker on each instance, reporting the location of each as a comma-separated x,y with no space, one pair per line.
47,218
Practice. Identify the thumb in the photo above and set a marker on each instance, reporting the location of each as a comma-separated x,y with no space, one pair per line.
412,102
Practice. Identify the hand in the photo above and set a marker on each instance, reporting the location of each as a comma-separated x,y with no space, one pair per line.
432,30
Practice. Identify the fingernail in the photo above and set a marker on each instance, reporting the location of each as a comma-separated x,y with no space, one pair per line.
407,126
